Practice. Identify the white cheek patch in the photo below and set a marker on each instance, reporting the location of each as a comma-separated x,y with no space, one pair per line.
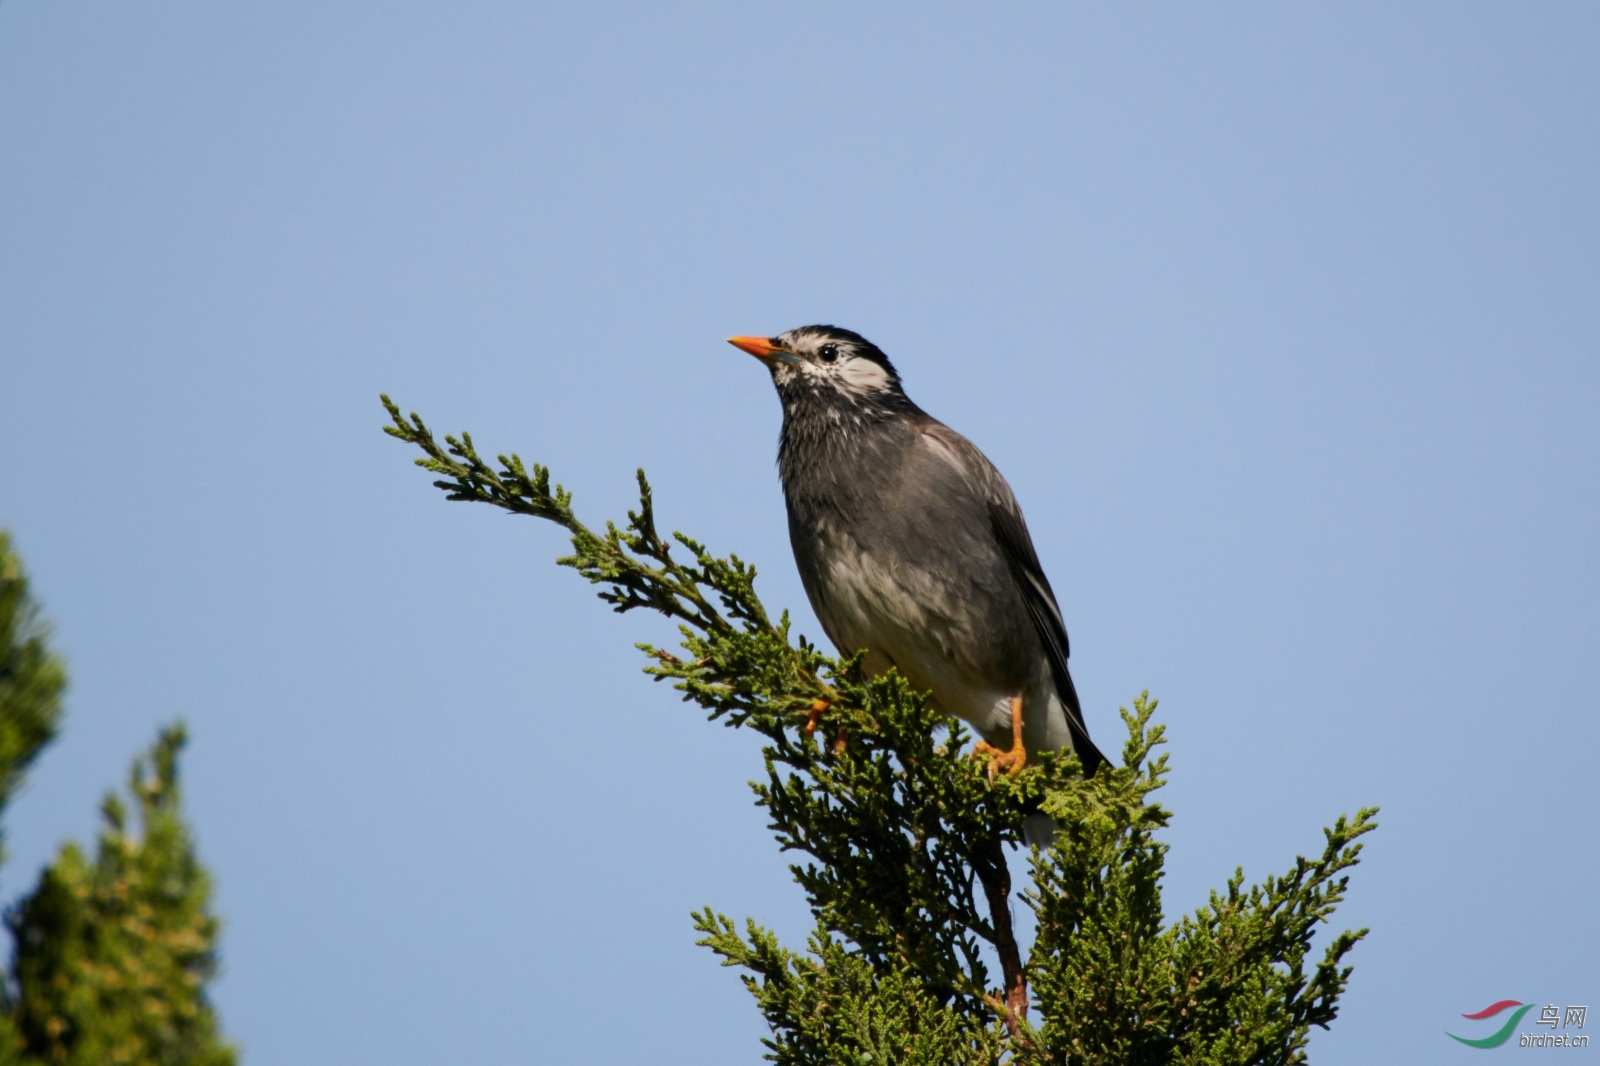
863,375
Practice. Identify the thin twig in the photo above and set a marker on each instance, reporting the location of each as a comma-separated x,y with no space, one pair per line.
996,881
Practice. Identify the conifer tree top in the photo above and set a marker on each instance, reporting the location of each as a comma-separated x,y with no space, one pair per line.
900,841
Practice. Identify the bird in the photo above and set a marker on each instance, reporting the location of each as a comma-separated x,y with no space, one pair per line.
911,546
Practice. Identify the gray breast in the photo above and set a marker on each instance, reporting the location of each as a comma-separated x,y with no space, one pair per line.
894,545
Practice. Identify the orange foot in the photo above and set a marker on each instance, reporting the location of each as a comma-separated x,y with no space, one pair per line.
817,709
1010,760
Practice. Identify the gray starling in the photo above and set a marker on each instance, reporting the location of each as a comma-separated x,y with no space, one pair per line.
911,546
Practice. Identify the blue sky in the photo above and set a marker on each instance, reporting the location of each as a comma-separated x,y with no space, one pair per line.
1282,322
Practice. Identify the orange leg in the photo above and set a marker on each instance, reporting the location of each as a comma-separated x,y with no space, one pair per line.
1010,760
814,718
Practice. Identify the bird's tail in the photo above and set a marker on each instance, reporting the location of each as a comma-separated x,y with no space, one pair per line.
1039,830
1082,746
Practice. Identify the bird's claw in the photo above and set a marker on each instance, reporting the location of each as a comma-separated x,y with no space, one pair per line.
1010,761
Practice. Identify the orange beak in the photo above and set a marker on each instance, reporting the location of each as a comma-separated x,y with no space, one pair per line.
763,348
760,347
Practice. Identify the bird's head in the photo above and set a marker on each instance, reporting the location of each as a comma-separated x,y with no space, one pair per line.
825,364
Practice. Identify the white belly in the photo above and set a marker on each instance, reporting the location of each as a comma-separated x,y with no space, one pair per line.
903,618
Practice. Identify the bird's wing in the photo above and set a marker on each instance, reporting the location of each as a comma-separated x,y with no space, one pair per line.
1011,534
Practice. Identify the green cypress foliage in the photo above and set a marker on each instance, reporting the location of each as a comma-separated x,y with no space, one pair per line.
112,954
32,680
901,841
32,677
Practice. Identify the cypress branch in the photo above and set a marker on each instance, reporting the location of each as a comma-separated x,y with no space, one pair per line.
901,844
112,953
32,677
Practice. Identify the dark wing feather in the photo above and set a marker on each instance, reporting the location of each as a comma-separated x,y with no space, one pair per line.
1011,533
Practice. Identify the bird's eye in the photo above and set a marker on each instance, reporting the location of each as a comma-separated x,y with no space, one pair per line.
828,353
